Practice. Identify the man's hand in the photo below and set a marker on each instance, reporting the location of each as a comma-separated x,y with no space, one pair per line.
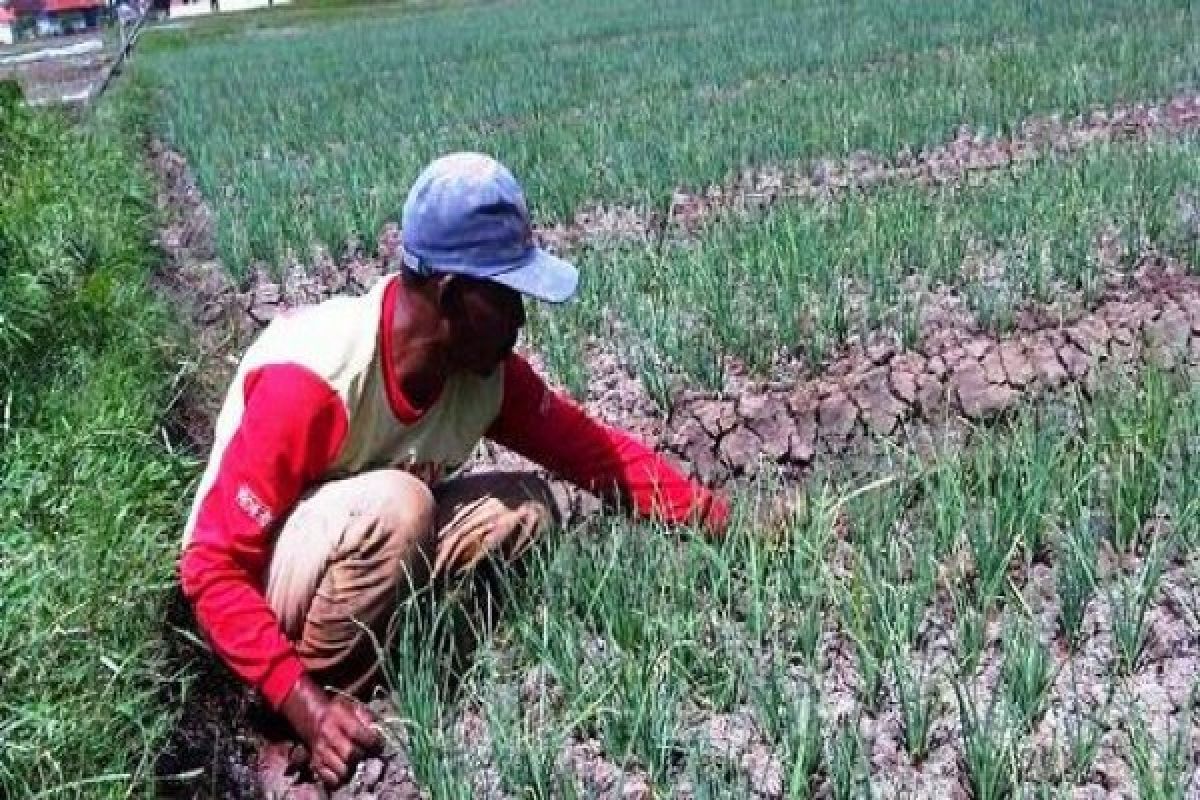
339,732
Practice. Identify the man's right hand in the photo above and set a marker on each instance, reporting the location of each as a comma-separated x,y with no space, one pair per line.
339,731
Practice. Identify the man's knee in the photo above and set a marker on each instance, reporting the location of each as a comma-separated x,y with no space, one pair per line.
491,514
396,516
400,501
388,523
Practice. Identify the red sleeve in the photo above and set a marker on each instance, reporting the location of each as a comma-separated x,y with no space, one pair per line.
547,427
291,430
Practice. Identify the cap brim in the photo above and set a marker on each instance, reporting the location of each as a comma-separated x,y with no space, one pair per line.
546,277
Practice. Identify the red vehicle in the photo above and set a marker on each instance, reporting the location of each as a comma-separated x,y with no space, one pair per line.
61,16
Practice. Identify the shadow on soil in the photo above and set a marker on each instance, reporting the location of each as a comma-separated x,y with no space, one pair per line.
212,754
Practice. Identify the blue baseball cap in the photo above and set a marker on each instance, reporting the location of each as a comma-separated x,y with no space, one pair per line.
466,215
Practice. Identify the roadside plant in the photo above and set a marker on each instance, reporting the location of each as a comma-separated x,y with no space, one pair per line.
1075,577
525,750
946,503
801,561
791,718
1037,456
1135,428
910,321
1084,725
895,607
806,624
991,549
919,707
1161,773
639,717
1084,733
1185,512
970,625
869,642
422,655
994,309
1136,482
1130,598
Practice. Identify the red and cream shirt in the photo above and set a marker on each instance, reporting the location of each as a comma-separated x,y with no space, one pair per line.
314,399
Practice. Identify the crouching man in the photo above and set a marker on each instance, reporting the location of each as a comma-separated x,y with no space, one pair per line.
327,494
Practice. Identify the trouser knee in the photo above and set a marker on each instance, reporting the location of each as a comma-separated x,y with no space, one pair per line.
345,555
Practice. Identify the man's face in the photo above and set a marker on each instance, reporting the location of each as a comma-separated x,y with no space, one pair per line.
485,319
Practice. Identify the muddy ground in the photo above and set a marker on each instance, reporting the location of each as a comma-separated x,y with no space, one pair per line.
956,375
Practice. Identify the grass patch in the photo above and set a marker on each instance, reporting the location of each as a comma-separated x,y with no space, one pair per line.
90,493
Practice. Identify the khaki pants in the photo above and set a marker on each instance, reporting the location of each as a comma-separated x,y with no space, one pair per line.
352,548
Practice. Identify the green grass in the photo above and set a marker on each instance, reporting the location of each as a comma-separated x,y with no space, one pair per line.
620,102
1162,771
90,494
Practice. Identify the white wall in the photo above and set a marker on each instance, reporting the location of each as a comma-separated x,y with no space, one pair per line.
202,7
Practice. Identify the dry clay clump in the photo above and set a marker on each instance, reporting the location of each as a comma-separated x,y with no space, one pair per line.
877,390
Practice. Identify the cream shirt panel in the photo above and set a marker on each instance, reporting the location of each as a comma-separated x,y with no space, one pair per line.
338,340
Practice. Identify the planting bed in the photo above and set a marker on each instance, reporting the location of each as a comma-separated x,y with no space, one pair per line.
619,105
959,160
930,396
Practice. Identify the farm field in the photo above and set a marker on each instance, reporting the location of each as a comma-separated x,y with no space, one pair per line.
917,282
777,208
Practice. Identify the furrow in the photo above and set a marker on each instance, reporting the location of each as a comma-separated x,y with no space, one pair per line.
968,154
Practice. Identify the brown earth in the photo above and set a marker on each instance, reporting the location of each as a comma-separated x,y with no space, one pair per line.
953,373
955,376
65,80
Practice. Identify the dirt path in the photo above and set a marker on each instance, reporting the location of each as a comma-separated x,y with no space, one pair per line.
60,81
51,49
58,75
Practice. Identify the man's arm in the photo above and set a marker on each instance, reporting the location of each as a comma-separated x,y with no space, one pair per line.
547,427
291,429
